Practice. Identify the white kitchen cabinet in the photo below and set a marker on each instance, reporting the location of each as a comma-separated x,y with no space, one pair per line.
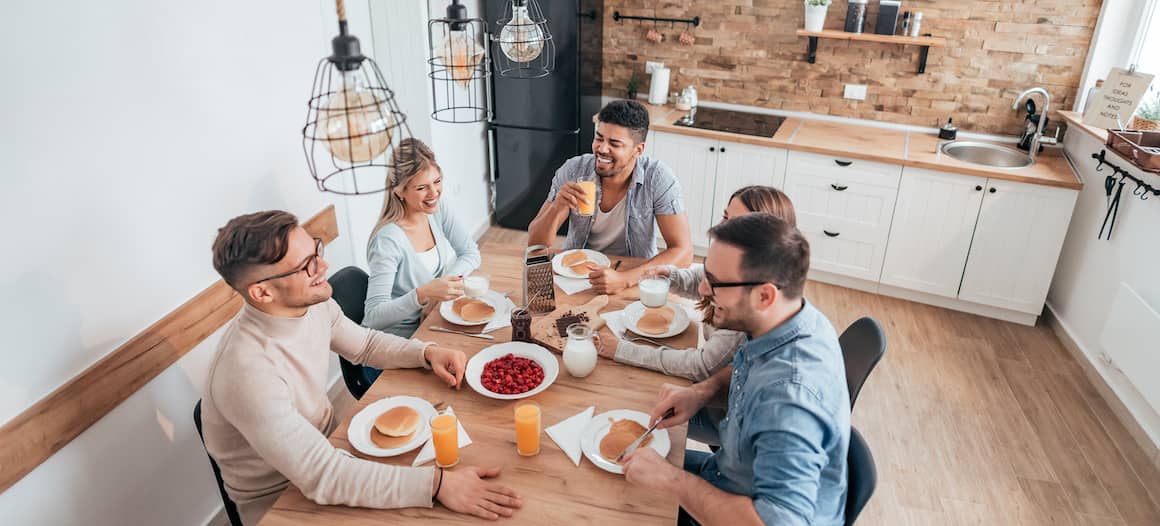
695,166
1016,245
844,208
934,220
710,170
740,165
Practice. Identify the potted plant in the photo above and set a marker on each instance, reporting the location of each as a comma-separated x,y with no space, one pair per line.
1148,116
633,86
816,14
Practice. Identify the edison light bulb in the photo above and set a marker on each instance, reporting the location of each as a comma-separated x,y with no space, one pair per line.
460,54
521,39
355,122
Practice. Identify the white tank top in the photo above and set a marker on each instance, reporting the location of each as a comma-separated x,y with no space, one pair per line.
430,260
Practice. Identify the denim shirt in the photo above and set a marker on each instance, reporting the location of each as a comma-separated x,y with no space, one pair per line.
653,191
785,435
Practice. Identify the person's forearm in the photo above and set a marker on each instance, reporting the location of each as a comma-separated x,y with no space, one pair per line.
716,388
542,229
711,506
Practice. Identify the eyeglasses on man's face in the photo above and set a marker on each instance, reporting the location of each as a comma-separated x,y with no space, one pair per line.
310,267
714,284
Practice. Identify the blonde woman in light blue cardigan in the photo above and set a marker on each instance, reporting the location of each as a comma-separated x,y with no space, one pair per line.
417,254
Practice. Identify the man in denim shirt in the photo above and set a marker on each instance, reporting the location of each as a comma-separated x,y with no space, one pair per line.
633,192
787,426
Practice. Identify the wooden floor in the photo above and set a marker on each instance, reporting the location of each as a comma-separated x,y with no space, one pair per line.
978,421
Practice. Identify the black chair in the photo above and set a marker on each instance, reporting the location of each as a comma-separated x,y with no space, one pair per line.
350,292
863,345
231,508
862,476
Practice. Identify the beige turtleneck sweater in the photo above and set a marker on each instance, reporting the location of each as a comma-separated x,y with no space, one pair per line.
266,415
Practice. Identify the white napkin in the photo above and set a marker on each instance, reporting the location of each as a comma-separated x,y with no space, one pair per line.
572,285
427,454
615,322
566,433
503,317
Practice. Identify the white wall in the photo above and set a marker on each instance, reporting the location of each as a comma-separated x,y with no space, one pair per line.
1091,270
131,131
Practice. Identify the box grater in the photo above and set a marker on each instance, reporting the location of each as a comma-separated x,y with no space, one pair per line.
539,289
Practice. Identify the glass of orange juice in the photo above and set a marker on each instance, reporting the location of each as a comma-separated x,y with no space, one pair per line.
445,435
528,428
588,183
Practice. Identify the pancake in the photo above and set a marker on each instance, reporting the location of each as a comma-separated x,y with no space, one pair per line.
472,310
398,422
385,442
574,258
583,268
656,321
620,434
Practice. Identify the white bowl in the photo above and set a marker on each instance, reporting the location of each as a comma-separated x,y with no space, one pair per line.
593,256
540,355
636,310
359,433
598,427
493,298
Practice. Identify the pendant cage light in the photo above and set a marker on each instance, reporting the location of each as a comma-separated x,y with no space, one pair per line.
525,46
458,60
353,123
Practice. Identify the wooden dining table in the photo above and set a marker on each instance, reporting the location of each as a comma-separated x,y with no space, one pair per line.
554,490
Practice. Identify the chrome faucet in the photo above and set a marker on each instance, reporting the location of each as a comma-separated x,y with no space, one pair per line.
1038,137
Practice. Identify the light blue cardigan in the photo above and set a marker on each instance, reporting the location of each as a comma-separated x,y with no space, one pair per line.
396,272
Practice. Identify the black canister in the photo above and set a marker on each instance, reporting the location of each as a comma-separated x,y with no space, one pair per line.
856,16
887,17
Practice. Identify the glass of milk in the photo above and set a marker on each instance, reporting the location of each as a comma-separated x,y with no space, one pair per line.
476,285
654,290
580,352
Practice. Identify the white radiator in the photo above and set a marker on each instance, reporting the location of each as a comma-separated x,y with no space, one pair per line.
1131,337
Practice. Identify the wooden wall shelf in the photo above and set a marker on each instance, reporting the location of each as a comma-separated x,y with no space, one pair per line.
926,42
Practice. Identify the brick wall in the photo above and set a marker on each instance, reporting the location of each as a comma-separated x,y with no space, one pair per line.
747,53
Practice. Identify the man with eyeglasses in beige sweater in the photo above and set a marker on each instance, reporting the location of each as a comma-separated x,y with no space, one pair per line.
265,411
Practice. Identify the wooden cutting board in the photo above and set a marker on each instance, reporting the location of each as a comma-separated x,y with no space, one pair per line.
545,329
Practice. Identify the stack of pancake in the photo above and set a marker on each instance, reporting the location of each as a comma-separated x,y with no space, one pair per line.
656,321
620,434
579,263
395,428
472,310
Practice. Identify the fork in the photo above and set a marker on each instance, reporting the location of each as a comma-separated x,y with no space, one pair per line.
453,331
635,339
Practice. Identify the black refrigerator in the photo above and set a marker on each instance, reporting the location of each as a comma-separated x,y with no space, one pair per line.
539,123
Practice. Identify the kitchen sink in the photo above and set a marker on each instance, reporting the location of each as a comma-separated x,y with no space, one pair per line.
987,154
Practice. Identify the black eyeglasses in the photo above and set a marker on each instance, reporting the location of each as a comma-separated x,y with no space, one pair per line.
310,267
714,285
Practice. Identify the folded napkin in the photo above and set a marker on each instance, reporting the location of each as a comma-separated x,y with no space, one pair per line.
503,317
615,322
572,285
427,454
566,433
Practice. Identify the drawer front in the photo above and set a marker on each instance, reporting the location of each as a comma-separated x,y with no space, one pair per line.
848,226
839,171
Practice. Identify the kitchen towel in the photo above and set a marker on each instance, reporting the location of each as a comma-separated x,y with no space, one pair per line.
427,454
567,433
572,285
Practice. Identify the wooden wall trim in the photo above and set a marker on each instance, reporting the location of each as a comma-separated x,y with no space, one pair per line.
52,422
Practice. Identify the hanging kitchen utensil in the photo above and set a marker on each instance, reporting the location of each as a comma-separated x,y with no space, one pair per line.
1113,190
687,38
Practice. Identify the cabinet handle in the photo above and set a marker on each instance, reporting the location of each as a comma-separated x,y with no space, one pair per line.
712,148
722,149
843,163
838,188
993,190
978,188
831,234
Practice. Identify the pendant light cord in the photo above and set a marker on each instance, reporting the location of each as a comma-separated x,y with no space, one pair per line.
340,6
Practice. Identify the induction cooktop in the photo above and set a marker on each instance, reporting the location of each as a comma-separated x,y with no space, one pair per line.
731,121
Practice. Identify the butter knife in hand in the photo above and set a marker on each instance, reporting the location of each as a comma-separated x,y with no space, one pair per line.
636,443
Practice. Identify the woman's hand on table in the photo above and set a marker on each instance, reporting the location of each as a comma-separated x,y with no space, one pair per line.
684,401
608,281
442,289
646,468
466,490
447,364
606,343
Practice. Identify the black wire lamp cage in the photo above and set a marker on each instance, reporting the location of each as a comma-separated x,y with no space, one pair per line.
458,67
353,123
526,50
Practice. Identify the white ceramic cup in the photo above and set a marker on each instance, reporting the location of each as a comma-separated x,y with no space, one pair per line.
654,291
475,285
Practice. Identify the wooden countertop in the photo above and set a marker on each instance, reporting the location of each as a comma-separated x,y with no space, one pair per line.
1075,120
853,141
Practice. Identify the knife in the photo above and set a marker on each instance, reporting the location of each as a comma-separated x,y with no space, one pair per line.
472,334
636,443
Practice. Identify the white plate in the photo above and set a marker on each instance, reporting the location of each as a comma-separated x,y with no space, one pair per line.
359,433
593,256
540,355
633,313
493,298
597,429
